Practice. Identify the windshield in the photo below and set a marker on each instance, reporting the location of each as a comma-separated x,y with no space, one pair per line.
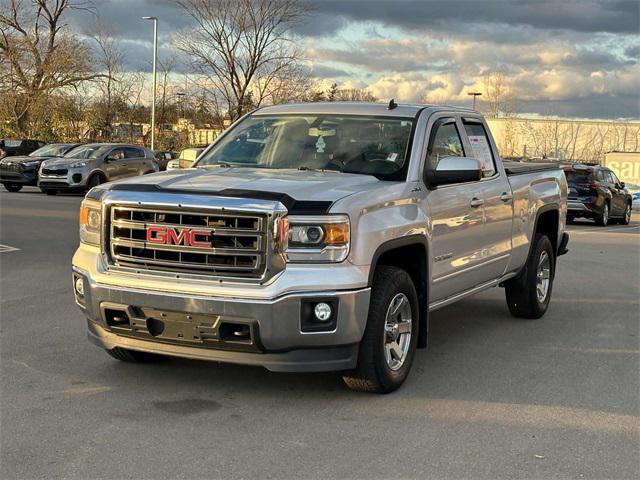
50,151
87,151
353,144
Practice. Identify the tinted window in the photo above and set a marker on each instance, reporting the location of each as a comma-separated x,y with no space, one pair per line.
613,177
575,177
480,147
131,152
446,143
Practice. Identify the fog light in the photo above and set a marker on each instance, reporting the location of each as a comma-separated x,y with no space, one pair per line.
322,311
79,286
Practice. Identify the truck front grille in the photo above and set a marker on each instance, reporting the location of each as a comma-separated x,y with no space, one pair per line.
218,243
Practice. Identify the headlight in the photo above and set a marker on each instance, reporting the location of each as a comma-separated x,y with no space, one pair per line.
30,164
318,238
78,165
90,220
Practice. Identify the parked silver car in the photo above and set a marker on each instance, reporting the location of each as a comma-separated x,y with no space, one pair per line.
93,164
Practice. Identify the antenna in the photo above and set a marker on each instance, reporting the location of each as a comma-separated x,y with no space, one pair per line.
392,105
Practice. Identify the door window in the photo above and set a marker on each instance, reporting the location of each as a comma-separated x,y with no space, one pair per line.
481,148
446,142
117,153
615,179
130,152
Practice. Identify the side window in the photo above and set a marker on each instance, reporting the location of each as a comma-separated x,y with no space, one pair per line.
446,142
481,147
130,152
117,153
615,179
607,176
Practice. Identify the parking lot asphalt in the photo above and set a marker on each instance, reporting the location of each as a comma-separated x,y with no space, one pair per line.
492,396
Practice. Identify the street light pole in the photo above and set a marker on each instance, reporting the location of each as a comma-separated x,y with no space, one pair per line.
475,94
153,101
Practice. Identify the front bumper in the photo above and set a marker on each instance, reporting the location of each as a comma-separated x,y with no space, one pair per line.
74,179
29,177
194,325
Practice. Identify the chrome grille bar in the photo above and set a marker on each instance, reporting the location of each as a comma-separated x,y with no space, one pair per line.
237,241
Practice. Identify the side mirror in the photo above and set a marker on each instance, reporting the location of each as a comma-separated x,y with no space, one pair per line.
110,159
454,170
622,185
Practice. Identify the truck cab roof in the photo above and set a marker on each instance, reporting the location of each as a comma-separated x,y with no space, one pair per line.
356,108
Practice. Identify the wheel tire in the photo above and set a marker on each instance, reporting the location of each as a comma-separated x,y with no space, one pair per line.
94,181
12,187
571,219
373,373
603,218
522,292
626,217
48,191
132,356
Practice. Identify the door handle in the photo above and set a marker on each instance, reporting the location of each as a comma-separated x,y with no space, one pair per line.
506,197
476,202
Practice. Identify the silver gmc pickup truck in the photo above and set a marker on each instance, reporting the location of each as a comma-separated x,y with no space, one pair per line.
316,237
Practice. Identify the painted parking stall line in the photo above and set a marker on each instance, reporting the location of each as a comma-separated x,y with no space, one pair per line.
8,248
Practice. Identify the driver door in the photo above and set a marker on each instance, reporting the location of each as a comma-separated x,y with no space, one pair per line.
457,222
116,169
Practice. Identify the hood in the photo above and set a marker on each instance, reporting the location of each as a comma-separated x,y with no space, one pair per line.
65,162
299,185
23,159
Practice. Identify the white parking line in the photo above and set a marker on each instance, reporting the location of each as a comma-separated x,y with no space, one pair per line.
7,248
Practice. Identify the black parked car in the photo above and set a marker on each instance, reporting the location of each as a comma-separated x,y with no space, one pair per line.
19,171
596,193
11,147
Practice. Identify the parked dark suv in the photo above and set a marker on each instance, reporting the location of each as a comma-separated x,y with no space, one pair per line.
21,170
10,147
596,193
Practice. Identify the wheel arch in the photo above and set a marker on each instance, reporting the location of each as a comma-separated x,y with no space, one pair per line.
411,254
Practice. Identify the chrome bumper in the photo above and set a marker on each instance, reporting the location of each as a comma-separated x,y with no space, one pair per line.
277,341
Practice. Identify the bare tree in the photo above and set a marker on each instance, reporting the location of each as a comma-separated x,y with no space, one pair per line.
498,96
241,48
109,59
41,56
354,95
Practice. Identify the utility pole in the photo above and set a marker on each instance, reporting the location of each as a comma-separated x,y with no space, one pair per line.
153,101
475,94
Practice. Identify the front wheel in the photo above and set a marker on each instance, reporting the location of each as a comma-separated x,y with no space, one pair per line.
390,338
12,187
528,294
626,218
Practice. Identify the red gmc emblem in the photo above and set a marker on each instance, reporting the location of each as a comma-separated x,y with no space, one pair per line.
179,236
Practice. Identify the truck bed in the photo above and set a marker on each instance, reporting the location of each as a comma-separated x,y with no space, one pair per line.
521,168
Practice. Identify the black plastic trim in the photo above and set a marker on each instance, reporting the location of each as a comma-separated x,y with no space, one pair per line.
423,296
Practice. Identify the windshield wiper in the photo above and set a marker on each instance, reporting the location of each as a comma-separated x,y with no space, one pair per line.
218,164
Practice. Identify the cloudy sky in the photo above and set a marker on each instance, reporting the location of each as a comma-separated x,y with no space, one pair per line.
569,58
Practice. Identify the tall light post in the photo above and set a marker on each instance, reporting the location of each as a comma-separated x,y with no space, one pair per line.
153,101
475,94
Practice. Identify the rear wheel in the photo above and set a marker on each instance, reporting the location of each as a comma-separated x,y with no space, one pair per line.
389,342
12,187
132,356
626,217
528,294
603,218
